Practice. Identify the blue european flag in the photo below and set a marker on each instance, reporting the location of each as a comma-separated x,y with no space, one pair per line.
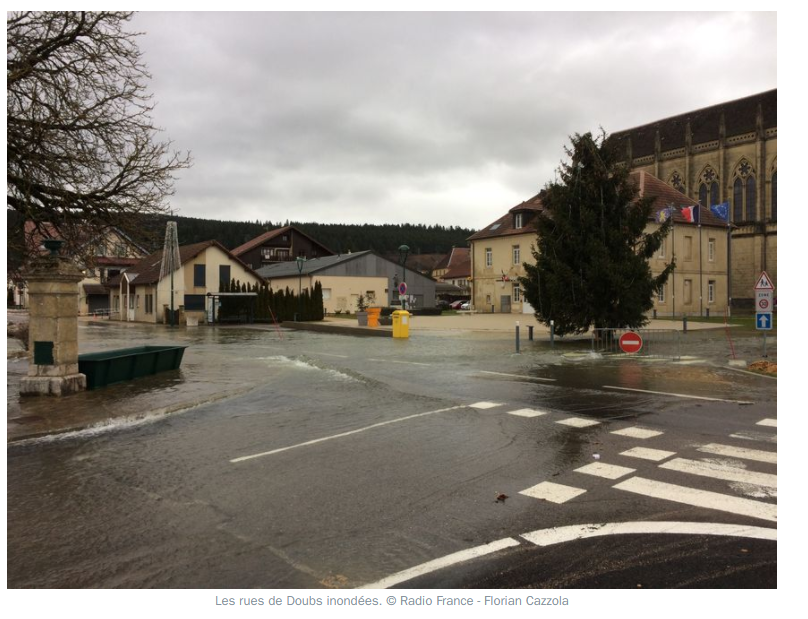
721,210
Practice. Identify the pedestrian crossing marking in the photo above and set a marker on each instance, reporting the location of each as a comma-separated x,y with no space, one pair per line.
578,422
555,493
718,470
755,436
699,498
740,452
635,432
767,422
648,454
527,412
609,471
484,405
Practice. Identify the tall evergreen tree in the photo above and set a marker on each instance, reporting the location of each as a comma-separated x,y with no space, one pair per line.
591,258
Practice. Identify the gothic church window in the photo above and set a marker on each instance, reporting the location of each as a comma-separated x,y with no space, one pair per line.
744,193
708,187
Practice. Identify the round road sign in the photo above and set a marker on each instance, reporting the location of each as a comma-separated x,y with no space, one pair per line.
630,342
402,288
763,304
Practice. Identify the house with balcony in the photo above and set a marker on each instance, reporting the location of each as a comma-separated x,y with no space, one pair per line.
282,245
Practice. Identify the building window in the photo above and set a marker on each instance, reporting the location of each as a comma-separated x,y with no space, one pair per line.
517,220
517,293
711,250
516,259
194,302
737,200
660,295
688,242
266,253
199,275
688,291
488,299
489,257
149,309
711,291
751,199
224,275
661,252
774,196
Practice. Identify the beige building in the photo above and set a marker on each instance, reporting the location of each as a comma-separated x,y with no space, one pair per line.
344,278
697,287
726,153
141,295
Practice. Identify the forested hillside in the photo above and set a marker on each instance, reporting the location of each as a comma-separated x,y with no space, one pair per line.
340,238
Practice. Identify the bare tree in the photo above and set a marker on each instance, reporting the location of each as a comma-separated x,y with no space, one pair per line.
82,147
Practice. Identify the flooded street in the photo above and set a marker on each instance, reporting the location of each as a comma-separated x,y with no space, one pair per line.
304,460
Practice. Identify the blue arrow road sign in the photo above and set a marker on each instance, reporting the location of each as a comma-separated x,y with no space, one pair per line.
763,320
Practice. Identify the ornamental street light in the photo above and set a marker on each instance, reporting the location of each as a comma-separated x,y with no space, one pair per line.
403,250
300,260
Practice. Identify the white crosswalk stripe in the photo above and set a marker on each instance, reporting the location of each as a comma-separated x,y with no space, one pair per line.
601,469
699,498
740,452
640,433
578,422
527,412
647,453
717,470
555,493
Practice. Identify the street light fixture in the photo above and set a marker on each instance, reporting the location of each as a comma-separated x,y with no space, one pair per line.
403,250
300,260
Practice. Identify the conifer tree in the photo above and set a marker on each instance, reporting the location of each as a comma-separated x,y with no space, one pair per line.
591,257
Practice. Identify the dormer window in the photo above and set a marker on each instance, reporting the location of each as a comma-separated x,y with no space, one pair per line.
517,220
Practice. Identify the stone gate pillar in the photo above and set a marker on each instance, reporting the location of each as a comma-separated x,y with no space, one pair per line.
53,328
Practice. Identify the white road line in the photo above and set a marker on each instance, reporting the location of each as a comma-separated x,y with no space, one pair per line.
716,470
677,395
578,422
559,535
527,412
699,498
327,354
601,469
755,436
635,432
740,452
343,434
648,454
522,376
555,493
485,405
767,422
438,564
397,361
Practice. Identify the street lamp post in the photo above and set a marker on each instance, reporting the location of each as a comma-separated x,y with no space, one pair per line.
300,260
403,250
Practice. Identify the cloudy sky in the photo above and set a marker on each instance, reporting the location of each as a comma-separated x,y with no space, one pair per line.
433,118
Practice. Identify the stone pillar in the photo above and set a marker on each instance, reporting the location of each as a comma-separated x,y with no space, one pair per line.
53,328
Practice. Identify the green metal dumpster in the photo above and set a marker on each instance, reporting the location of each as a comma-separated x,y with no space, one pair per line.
117,366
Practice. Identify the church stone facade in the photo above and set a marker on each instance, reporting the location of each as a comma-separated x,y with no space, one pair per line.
726,153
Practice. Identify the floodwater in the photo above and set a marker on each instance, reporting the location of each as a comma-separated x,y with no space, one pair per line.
373,458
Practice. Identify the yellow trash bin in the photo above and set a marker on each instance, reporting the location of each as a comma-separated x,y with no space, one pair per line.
401,324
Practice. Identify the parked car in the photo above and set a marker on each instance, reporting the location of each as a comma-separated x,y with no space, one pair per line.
442,304
456,304
466,306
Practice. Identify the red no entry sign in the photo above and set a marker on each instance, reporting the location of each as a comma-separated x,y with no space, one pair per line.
630,342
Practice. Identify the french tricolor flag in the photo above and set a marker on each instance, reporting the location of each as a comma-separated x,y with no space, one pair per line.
691,214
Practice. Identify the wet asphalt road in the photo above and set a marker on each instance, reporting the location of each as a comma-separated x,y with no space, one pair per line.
366,457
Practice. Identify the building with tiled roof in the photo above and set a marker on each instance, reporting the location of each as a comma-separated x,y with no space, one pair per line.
725,153
140,294
285,244
699,282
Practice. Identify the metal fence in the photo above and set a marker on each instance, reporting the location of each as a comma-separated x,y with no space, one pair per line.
655,342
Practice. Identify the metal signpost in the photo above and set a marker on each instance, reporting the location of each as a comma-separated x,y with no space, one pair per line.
764,304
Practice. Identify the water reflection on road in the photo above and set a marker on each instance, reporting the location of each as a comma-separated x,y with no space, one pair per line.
160,504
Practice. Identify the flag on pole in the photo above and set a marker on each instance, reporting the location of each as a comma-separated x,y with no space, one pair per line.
663,215
721,210
691,214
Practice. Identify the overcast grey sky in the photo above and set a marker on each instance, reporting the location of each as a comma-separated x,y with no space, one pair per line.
447,118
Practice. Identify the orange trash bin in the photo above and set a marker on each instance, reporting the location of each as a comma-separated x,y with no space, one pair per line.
373,316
